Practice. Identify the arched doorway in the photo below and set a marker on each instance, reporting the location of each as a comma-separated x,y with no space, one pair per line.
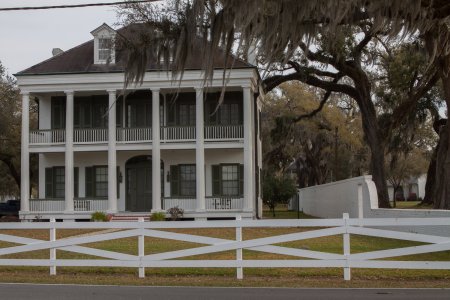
138,184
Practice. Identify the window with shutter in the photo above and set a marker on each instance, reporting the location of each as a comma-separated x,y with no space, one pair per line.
75,182
216,180
48,182
174,181
89,181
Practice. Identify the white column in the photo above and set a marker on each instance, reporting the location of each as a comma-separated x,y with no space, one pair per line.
156,153
112,161
25,155
248,150
200,150
69,153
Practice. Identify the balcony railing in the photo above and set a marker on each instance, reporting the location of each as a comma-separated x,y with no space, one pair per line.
187,204
134,135
224,132
137,135
177,133
90,135
58,205
224,203
47,137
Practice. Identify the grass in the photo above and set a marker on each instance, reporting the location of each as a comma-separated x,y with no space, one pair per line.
286,277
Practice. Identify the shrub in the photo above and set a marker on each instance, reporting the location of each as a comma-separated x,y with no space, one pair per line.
158,216
99,216
175,213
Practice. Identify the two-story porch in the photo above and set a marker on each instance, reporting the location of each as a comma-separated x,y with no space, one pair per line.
114,143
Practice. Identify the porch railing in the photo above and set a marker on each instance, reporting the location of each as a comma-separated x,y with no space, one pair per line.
143,134
187,204
134,135
90,135
224,203
47,205
58,205
224,132
177,133
47,136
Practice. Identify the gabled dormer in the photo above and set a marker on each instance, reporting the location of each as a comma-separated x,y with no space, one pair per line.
104,49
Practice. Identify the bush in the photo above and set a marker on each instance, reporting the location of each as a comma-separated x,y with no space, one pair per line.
175,213
158,216
99,216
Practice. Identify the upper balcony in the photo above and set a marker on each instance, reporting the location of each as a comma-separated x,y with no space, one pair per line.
168,134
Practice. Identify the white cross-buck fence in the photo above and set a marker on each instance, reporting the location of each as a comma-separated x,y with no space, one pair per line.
174,259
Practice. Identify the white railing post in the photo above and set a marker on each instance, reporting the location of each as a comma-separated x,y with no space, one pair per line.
239,270
112,155
141,250
346,244
53,250
25,156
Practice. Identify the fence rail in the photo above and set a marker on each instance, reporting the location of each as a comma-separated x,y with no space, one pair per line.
305,258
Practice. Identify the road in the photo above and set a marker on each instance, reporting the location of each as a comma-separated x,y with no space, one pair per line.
69,292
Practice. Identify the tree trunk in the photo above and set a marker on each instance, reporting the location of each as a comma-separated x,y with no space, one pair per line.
442,192
431,178
373,136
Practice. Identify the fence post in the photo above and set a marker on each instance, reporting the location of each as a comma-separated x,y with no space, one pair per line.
141,250
53,250
239,270
347,274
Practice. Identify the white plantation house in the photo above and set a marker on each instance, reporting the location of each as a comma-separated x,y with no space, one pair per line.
158,147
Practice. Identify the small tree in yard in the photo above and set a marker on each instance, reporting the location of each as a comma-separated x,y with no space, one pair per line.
278,190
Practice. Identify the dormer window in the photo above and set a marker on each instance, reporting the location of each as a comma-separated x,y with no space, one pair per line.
104,48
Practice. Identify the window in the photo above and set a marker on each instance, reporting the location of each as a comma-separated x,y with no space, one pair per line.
101,181
105,46
183,180
187,114
228,180
91,112
58,111
55,182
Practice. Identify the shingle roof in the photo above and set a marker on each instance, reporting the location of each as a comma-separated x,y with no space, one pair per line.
80,59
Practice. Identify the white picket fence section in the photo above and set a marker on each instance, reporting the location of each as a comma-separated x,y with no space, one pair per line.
314,259
177,133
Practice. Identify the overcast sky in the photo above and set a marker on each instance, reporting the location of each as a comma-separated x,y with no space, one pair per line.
28,37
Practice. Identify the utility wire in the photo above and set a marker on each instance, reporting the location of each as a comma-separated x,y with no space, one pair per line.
74,5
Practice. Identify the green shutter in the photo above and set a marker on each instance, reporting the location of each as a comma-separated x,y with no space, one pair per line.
216,180
75,182
89,181
174,181
58,113
48,182
117,181
241,179
76,113
119,112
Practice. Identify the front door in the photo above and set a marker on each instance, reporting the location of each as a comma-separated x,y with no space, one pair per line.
139,184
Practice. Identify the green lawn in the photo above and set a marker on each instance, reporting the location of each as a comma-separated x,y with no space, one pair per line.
291,277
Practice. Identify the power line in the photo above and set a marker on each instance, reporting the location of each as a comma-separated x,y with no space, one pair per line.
74,5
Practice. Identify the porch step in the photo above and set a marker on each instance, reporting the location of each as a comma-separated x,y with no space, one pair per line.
130,217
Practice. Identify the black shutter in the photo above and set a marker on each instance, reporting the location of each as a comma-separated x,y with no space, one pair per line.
241,180
77,113
75,182
48,182
171,108
89,177
119,112
216,180
174,181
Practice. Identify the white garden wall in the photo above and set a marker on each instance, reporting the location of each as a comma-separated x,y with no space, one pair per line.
358,197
